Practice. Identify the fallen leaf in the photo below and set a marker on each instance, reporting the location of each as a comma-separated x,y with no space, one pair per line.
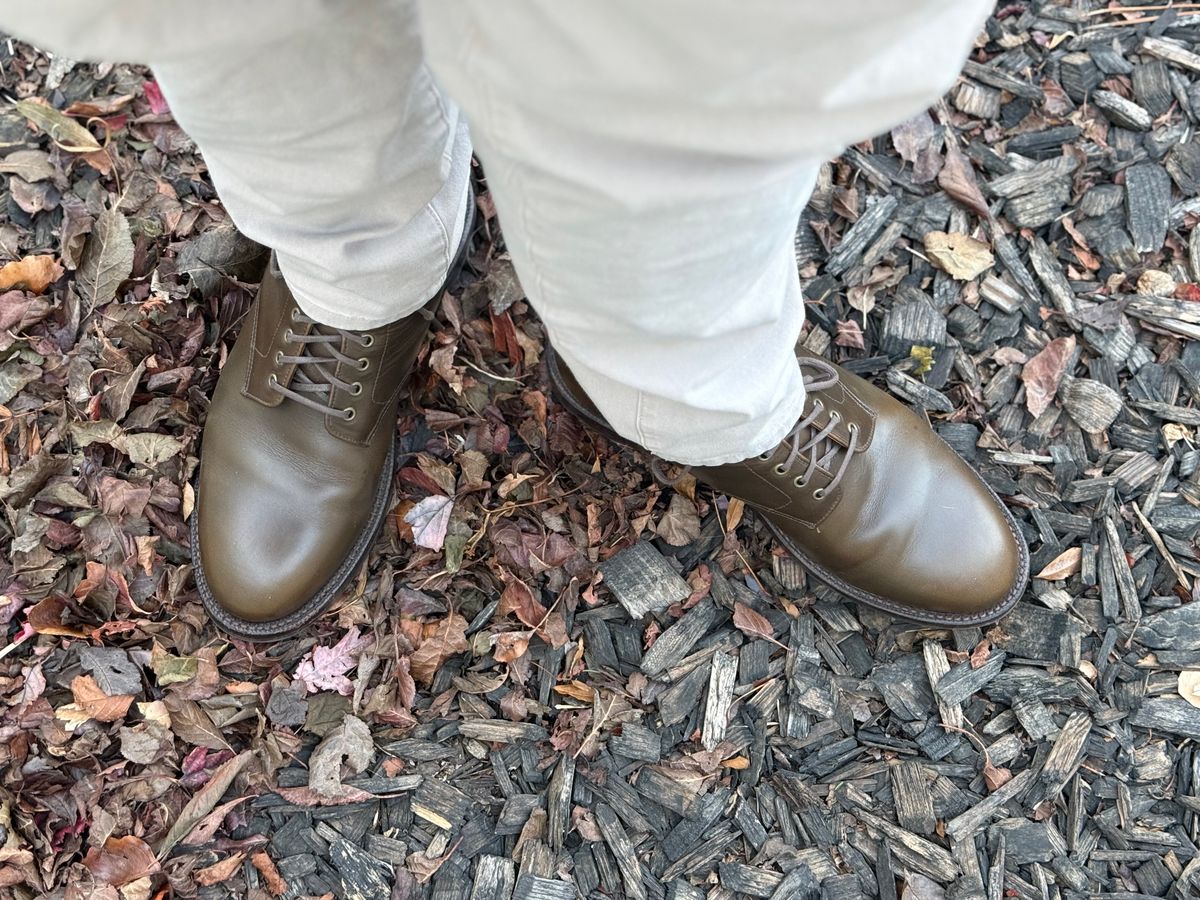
107,258
219,871
276,885
918,142
306,796
447,639
148,449
1066,564
1056,102
958,255
680,524
203,801
33,273
122,860
736,762
517,599
97,704
849,334
46,617
733,518
429,520
350,744
63,130
192,724
207,827
511,646
995,778
1044,373
923,357
752,623
957,179
326,667
154,96
113,670
1189,686
979,656
31,165
576,690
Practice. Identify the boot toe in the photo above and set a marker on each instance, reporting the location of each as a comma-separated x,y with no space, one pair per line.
258,573
972,566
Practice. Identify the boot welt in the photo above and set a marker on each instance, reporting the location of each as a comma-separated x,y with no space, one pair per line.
274,629
900,610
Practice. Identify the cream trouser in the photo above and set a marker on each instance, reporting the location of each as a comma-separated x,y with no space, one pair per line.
649,160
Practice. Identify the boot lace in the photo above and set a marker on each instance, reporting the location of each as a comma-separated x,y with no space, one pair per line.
314,380
807,440
814,442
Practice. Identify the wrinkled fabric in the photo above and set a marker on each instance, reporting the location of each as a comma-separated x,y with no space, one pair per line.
649,163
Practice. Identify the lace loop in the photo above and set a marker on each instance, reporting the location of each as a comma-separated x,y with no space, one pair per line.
817,444
805,440
314,380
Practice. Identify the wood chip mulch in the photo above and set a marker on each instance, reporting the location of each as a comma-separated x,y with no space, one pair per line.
556,677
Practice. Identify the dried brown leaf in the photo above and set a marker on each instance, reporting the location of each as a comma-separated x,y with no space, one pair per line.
1044,373
1066,564
517,599
957,179
349,744
577,690
326,668
203,801
219,871
511,646
445,639
680,524
958,255
277,886
429,520
95,703
64,131
33,273
752,623
121,861
849,334
107,258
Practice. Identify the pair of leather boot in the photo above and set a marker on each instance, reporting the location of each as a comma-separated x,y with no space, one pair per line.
298,462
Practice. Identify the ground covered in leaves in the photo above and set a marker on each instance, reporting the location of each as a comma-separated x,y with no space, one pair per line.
556,677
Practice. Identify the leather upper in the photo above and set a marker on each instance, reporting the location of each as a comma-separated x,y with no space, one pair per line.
910,524
286,491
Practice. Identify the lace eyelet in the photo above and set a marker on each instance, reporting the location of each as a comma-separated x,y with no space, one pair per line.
780,470
363,364
295,314
348,413
765,456
835,417
271,379
368,340
279,357
356,389
819,494
799,481
288,336
852,428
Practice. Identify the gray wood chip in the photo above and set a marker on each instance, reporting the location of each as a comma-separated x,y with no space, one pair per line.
642,581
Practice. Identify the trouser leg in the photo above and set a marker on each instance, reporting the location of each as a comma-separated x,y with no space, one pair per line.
650,162
325,134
